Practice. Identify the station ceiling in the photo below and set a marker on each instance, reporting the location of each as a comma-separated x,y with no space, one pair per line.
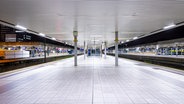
93,19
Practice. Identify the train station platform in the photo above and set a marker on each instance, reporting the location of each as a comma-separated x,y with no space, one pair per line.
94,81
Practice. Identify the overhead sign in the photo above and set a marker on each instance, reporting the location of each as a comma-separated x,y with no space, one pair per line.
27,37
23,38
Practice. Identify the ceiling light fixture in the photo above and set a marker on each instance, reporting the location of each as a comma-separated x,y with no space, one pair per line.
96,36
135,38
21,27
19,31
169,26
41,34
95,40
53,38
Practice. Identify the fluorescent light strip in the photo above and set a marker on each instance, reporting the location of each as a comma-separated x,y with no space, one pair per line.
41,34
20,27
19,31
95,40
169,26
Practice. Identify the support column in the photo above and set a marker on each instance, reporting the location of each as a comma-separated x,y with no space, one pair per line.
87,50
84,50
45,56
75,34
101,50
105,49
156,51
176,49
116,48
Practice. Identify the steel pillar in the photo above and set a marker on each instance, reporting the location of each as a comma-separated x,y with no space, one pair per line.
105,49
75,34
116,48
84,50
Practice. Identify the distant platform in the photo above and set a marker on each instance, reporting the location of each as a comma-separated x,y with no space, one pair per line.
171,61
30,58
169,56
12,64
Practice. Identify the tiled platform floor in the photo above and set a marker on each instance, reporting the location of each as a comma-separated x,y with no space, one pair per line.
95,81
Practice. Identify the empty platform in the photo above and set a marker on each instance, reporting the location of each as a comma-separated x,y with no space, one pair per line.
94,81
